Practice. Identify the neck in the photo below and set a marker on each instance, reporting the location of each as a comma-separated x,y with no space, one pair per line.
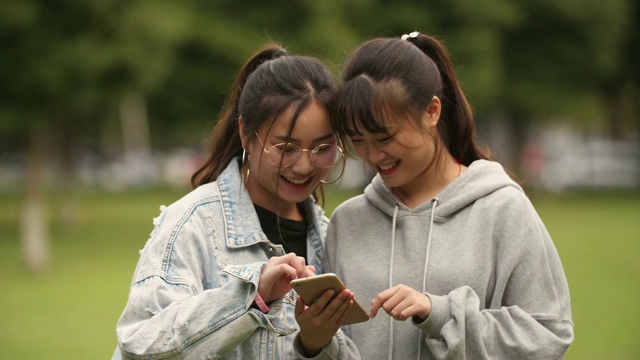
428,184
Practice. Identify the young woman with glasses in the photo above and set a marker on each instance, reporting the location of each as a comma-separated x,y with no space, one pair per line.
213,280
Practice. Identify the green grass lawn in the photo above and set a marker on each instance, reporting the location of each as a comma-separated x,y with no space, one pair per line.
71,312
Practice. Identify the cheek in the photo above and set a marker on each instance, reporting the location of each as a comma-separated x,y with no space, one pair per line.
360,149
324,172
263,168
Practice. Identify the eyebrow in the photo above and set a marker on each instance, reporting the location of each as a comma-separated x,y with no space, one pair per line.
290,139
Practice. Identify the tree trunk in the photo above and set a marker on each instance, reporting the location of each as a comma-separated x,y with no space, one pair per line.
66,178
34,225
139,167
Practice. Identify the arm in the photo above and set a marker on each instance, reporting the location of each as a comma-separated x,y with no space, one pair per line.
320,336
457,327
169,312
164,318
339,347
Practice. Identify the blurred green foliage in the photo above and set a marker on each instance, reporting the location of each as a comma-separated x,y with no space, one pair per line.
66,65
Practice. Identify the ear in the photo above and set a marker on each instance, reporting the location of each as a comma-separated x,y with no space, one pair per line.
243,136
432,113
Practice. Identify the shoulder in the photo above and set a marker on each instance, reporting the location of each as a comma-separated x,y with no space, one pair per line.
355,203
182,232
510,201
490,186
515,223
200,202
203,195
349,209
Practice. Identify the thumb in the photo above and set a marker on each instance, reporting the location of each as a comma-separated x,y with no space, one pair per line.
374,308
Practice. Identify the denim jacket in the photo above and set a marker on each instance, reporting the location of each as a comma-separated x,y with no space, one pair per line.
198,275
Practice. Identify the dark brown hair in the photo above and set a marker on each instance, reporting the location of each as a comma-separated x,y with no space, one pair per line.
392,76
267,85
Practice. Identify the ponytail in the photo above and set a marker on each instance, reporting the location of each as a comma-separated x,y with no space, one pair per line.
225,143
458,130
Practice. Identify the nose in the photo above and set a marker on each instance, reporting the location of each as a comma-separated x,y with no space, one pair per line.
373,154
303,165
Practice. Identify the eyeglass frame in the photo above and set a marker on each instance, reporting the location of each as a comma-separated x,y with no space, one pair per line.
308,151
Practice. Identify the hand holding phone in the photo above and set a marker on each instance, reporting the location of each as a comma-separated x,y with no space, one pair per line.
312,287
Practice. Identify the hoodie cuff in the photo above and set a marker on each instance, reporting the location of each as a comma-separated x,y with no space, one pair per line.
440,315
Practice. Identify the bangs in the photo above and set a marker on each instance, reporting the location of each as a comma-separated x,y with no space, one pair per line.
362,106
272,106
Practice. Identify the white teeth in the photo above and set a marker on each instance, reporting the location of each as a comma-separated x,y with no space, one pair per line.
387,166
296,181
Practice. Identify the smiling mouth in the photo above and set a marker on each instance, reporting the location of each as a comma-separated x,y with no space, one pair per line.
296,181
387,166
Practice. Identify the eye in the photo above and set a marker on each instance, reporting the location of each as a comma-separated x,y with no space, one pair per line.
286,148
322,148
385,139
356,140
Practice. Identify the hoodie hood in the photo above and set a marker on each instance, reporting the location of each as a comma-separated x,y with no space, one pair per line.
481,179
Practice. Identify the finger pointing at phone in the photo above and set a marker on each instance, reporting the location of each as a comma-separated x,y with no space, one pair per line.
402,302
277,274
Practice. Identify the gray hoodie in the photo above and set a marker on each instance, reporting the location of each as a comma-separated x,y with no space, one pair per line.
480,252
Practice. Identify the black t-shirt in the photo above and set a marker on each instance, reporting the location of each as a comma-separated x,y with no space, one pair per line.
291,234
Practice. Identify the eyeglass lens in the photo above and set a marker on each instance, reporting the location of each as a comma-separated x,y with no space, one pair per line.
322,156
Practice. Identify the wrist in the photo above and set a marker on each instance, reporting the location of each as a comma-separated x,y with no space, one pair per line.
261,304
310,346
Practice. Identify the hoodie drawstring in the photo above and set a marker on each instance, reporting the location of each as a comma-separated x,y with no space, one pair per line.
393,248
434,203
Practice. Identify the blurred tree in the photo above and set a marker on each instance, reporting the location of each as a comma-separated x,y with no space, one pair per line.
66,65
620,84
559,58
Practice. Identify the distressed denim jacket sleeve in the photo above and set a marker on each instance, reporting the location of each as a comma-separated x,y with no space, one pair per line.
197,277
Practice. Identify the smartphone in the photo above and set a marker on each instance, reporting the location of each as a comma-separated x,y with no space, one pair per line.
312,287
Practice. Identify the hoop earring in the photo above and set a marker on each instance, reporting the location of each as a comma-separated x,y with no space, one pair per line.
245,158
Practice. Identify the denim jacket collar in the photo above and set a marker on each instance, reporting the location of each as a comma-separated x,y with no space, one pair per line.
241,221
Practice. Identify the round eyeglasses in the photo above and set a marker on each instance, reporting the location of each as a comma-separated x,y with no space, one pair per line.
287,154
